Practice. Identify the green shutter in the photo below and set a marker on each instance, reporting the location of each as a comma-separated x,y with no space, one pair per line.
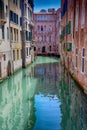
69,46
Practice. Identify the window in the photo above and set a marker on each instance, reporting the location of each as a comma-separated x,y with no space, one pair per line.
14,55
14,1
11,34
15,34
76,57
3,36
17,54
42,38
83,59
30,36
6,11
83,14
27,35
77,16
4,57
41,28
7,33
17,2
27,51
49,48
13,17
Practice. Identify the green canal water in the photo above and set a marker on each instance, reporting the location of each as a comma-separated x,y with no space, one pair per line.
42,97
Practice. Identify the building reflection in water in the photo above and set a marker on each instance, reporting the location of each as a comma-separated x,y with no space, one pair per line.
14,102
47,103
42,97
73,104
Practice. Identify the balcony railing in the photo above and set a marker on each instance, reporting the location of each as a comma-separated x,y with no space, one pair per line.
31,22
3,18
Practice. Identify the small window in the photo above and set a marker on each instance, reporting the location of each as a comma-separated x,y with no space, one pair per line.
3,34
76,57
14,55
7,33
83,59
6,11
27,51
4,57
49,48
17,54
41,28
83,52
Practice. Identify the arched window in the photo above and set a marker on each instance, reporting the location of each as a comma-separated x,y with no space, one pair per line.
41,28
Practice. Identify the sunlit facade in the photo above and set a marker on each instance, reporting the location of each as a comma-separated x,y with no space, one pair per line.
16,44
5,51
27,27
15,34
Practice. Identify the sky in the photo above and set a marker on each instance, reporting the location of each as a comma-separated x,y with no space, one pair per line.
45,4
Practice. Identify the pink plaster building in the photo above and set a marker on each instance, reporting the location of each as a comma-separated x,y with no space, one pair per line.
45,32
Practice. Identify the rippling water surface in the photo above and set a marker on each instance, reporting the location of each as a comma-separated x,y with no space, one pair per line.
42,97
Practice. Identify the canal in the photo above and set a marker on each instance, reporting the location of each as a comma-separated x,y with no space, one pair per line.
42,97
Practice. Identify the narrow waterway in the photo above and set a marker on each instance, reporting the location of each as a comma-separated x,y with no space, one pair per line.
42,97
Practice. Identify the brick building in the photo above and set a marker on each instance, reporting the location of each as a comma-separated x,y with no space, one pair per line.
74,38
45,32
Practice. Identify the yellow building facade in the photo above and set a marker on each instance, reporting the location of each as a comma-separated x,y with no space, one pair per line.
10,37
15,34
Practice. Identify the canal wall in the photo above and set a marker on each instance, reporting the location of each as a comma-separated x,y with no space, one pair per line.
80,82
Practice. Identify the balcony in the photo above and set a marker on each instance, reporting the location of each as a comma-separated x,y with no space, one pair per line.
32,43
3,18
31,22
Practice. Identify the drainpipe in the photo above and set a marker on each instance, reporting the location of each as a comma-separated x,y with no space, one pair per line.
11,51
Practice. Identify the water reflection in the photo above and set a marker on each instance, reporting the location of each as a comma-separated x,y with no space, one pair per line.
14,104
73,104
47,103
42,97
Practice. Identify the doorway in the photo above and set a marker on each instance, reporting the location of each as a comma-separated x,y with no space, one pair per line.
43,49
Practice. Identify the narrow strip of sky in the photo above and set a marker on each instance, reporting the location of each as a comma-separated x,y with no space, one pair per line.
45,4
